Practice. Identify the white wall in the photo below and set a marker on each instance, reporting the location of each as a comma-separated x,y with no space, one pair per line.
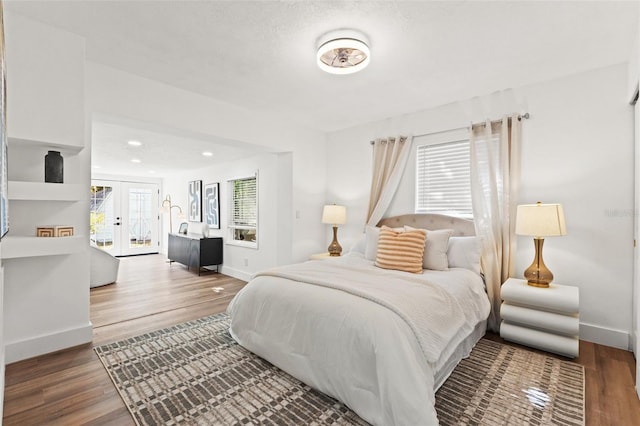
577,150
274,210
44,105
636,288
632,90
46,298
118,94
634,65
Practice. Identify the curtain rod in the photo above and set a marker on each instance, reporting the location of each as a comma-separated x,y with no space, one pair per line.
525,116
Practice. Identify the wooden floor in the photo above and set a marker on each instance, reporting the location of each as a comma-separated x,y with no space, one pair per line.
71,387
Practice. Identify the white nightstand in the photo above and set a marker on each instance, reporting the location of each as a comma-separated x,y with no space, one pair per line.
543,318
320,256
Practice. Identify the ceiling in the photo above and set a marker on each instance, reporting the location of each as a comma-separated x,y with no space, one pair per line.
159,153
260,55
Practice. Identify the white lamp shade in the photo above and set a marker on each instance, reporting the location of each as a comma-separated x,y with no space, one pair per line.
335,215
540,220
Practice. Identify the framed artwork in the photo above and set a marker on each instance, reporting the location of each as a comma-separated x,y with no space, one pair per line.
195,201
212,205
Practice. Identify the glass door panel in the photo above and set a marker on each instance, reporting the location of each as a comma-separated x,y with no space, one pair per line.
102,224
142,219
124,217
139,218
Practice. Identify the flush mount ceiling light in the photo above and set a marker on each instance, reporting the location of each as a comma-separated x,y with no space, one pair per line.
343,52
134,143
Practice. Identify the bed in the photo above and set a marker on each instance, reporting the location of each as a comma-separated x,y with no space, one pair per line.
381,341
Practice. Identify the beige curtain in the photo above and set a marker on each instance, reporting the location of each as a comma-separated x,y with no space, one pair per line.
495,176
390,157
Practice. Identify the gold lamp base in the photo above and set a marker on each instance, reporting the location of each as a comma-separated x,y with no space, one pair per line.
335,248
538,275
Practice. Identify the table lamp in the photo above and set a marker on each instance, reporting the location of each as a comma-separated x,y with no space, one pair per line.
334,215
539,221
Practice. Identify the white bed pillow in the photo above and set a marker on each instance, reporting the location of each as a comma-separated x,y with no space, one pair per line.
435,249
360,245
371,235
465,252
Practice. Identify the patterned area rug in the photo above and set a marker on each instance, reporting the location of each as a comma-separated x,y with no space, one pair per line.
504,385
195,373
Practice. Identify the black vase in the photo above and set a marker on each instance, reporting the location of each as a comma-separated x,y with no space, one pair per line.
53,167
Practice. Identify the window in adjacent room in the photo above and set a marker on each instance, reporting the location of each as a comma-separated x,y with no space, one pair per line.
243,215
443,174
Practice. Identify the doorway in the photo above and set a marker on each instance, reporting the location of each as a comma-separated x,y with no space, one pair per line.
124,217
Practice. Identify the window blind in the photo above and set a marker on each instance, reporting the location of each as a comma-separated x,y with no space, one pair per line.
244,207
443,178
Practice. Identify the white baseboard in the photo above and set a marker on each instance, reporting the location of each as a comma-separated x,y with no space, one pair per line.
235,273
40,345
605,336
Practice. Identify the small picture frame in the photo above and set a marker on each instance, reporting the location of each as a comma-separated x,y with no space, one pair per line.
184,226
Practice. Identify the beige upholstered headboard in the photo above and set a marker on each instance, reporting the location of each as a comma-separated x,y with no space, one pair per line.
461,227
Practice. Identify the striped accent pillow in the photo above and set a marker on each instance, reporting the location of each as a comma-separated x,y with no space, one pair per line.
401,251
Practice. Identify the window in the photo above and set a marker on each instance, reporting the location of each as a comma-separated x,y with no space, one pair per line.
443,178
243,215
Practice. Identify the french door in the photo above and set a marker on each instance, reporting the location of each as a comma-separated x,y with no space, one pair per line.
124,217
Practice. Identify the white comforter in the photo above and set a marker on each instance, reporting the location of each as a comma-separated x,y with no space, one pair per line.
368,337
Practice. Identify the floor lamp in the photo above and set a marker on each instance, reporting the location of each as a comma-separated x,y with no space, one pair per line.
167,207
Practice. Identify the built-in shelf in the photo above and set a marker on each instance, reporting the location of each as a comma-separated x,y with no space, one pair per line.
39,191
49,145
14,247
